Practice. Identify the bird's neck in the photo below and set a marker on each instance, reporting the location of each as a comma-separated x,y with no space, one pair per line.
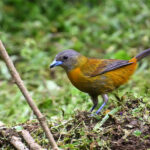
80,61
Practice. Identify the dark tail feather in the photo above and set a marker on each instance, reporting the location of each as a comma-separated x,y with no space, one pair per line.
143,54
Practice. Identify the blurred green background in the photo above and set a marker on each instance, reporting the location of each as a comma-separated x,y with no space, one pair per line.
34,31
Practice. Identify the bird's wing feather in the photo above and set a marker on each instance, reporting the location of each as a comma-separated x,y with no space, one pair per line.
105,65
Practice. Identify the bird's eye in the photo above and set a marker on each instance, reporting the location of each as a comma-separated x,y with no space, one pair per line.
65,57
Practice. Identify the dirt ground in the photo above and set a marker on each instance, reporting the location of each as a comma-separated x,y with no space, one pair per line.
121,131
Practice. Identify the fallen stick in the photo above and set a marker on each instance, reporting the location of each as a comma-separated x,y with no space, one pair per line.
15,141
30,141
20,84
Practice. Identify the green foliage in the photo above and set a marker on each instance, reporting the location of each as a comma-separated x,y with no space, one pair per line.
34,32
137,133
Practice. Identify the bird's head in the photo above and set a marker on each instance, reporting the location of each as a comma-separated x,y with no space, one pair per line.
68,59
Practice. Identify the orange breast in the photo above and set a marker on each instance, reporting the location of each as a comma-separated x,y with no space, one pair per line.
78,79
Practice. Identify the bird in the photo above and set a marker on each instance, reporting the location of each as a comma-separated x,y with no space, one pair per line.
96,76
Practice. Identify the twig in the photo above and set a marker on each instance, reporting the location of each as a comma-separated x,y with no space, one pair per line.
20,84
15,141
99,124
10,134
30,141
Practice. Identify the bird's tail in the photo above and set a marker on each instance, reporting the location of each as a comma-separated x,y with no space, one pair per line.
141,55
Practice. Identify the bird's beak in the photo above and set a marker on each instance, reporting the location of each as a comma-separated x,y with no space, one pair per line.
55,63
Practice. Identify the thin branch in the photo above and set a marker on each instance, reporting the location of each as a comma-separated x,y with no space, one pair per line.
20,84
30,141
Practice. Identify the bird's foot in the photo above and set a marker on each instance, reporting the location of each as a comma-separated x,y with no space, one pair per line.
92,115
99,110
93,108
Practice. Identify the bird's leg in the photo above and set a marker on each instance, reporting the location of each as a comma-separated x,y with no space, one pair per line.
105,99
95,102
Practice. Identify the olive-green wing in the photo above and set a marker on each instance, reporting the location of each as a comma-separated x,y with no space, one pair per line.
105,65
109,65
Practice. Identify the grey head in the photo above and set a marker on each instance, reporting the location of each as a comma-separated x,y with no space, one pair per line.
68,59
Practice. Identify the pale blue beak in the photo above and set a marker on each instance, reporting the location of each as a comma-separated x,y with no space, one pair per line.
55,63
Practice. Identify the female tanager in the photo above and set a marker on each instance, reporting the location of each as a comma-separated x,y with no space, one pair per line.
96,76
